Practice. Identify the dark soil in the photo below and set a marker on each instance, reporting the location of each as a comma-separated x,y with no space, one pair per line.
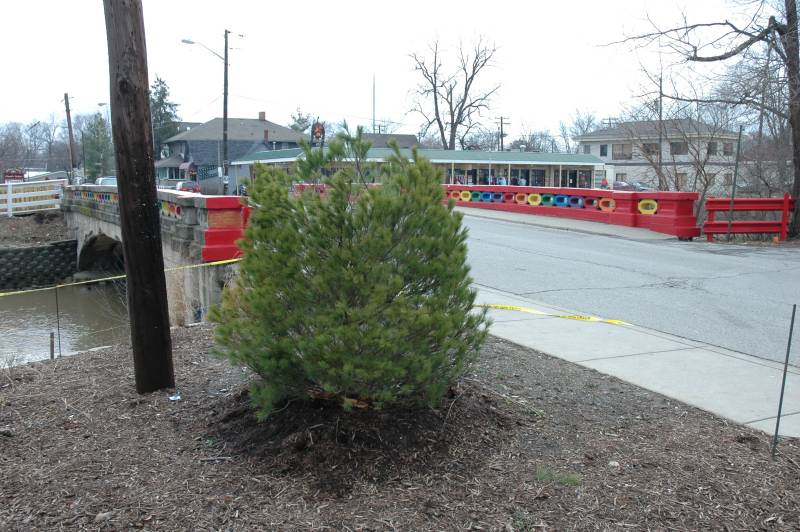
33,229
525,442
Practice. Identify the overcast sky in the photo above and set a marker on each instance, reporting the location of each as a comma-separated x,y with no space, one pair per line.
321,56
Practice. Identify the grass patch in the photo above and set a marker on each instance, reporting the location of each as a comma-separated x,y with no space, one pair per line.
545,474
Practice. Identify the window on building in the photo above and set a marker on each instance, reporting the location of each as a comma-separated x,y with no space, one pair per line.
681,181
712,148
619,176
621,151
600,180
604,150
537,177
727,148
650,148
710,178
728,179
678,148
587,149
585,178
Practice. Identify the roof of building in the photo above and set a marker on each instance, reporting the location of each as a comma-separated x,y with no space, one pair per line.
442,156
239,129
381,140
173,161
650,128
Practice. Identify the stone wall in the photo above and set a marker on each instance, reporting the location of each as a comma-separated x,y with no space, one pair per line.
37,266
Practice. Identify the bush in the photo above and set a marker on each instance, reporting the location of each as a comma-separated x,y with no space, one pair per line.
363,296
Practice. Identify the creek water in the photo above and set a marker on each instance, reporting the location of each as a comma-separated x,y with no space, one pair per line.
88,316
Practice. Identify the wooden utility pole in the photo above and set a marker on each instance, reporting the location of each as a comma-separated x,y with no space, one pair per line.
502,124
71,140
662,183
138,201
225,112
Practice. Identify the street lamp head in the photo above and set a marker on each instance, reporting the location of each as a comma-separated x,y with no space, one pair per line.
187,41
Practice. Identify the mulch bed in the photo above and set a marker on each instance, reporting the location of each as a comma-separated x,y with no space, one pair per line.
33,229
525,442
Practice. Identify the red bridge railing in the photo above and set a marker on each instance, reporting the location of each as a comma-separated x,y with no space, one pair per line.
713,227
670,213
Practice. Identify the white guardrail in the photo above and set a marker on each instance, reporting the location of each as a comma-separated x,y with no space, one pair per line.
31,196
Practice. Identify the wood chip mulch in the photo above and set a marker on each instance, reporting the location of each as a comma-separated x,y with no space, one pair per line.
524,442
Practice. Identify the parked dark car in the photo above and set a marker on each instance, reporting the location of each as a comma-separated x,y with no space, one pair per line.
635,186
188,186
623,185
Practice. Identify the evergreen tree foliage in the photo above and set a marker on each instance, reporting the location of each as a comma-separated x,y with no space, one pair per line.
363,295
98,147
301,121
163,113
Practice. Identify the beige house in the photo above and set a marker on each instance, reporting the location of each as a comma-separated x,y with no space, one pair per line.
671,154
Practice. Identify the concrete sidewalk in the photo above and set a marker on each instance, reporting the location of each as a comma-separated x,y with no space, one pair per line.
736,386
566,224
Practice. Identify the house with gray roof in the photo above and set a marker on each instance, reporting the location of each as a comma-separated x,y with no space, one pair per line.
680,154
196,153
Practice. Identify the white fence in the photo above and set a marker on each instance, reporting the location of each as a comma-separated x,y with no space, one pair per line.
31,196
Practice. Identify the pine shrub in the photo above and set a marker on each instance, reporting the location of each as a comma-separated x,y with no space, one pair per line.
363,296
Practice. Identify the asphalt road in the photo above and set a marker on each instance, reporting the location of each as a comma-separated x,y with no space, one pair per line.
737,297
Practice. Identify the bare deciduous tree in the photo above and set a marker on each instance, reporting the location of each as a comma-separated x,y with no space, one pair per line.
480,138
583,122
40,145
301,121
771,24
12,146
536,141
450,100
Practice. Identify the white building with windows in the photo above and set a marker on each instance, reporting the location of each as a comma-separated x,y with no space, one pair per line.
694,156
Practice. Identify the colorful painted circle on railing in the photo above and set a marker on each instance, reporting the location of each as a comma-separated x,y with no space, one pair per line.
607,204
648,206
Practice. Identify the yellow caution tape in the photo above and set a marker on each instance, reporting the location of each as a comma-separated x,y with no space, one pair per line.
512,307
116,277
576,317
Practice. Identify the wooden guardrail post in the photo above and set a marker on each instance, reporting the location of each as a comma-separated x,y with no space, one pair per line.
9,204
783,205
785,217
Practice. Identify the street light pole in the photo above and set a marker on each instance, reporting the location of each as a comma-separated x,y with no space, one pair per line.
225,113
224,99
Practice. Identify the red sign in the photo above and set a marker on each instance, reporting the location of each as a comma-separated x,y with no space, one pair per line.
318,131
13,176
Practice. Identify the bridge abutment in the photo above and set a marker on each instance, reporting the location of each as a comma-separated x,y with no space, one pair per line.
196,231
